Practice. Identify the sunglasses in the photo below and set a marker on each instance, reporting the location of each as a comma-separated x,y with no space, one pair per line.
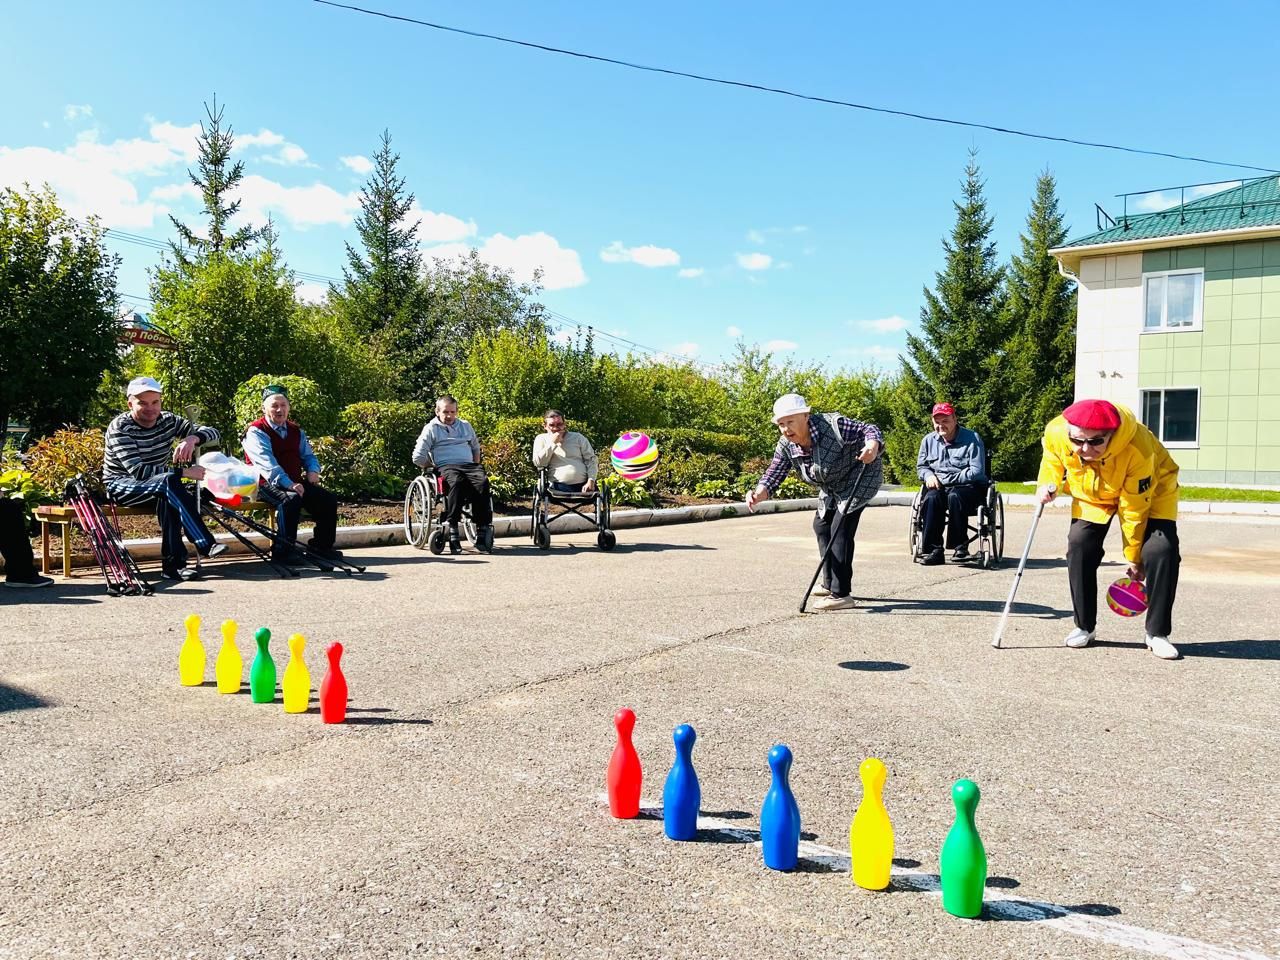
1087,441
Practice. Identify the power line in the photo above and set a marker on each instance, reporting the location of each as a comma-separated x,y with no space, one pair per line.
566,323
789,93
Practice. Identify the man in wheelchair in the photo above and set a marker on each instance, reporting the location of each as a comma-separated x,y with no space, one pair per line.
952,467
451,445
566,454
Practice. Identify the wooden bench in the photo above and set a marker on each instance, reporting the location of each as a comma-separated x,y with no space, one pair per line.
65,517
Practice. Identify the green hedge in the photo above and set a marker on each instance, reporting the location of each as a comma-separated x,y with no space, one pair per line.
520,431
679,441
384,432
309,407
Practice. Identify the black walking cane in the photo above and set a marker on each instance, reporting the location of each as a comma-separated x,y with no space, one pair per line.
835,529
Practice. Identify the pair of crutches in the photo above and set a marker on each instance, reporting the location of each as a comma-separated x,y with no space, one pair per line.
1017,577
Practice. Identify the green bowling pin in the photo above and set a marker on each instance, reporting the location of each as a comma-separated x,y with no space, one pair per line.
262,676
964,861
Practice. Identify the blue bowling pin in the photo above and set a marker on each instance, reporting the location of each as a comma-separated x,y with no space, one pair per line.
681,797
780,815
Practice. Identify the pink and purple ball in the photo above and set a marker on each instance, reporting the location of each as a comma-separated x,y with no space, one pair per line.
1127,597
634,456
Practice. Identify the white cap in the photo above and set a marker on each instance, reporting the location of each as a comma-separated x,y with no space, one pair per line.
143,385
787,404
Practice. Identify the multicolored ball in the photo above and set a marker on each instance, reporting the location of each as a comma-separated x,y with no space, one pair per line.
634,456
1127,597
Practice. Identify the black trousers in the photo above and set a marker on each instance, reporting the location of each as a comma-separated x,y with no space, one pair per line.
466,483
15,545
837,572
1160,560
953,506
319,502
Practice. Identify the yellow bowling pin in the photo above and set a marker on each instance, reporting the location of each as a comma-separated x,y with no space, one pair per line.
191,656
297,681
229,667
871,833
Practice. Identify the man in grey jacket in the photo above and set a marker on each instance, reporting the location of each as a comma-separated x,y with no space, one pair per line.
452,445
952,465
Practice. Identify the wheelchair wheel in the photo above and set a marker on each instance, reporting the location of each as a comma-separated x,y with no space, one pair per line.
417,512
915,536
997,528
606,540
542,536
436,541
469,531
535,513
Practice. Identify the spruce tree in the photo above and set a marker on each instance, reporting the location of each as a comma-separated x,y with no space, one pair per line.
956,355
1041,324
380,282
216,180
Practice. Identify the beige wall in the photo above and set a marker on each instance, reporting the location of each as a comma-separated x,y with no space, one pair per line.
1108,325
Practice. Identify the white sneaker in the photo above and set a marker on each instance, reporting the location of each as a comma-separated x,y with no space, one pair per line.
1162,648
835,603
1078,638
819,591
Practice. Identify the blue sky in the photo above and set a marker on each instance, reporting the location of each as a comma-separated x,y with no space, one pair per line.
679,215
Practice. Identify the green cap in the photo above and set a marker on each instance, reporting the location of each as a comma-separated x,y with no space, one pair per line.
272,389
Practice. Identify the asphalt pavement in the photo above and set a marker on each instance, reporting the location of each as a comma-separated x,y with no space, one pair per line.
1130,806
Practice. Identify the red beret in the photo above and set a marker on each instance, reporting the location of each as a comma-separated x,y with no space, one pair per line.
1093,415
943,409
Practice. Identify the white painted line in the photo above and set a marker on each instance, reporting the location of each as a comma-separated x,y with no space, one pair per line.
997,904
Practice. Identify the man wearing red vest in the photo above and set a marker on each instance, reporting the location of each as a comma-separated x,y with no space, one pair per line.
290,476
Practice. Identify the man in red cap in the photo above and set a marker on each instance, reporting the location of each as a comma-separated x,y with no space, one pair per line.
1099,454
952,465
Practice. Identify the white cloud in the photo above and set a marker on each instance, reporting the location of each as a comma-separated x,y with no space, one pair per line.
1162,201
778,346
690,272
289,154
438,227
883,325
312,292
357,164
646,256
300,207
75,111
687,350
562,337
179,140
522,255
754,261
881,356
760,236
84,187
732,331
263,138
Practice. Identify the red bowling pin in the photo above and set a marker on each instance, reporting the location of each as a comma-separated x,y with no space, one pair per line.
623,778
333,688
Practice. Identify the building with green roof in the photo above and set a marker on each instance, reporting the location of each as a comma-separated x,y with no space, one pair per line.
1179,319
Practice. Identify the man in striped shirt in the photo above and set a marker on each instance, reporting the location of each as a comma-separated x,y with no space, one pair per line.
136,471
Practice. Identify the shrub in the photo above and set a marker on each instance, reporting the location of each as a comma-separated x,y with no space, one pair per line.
19,484
308,405
58,458
683,473
510,469
384,431
714,490
793,488
520,431
346,471
626,493
675,441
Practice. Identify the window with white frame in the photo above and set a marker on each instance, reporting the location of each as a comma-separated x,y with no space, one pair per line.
1173,415
1172,300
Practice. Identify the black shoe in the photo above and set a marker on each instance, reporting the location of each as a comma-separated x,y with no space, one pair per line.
291,559
28,582
333,553
178,573
961,554
933,558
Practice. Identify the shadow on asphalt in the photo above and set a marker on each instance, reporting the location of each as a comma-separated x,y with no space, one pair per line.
958,607
379,717
1232,649
60,592
13,698
619,548
423,556
875,666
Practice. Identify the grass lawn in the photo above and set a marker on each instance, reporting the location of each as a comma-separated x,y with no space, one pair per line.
1187,493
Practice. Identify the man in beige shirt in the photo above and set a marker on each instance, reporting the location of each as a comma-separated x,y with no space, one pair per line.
567,454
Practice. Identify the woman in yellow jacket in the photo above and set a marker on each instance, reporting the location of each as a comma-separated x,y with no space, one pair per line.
1099,454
